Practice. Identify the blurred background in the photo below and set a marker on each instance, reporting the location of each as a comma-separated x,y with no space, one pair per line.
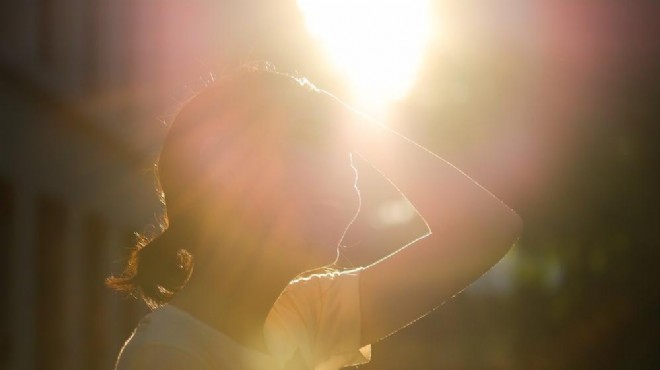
551,105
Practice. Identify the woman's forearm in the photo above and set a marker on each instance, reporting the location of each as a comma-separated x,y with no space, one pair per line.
443,195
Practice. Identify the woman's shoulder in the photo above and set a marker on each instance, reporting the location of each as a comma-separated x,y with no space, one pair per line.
171,332
158,356
162,334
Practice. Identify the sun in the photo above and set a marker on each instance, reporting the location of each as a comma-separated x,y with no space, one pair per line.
378,46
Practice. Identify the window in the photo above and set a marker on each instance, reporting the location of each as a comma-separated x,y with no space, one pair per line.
95,311
6,246
51,270
46,32
91,46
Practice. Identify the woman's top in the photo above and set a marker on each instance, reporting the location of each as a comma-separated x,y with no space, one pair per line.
314,324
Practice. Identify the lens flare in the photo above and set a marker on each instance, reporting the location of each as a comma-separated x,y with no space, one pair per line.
377,45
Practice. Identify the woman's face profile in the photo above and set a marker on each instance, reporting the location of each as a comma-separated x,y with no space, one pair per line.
321,200
282,177
301,202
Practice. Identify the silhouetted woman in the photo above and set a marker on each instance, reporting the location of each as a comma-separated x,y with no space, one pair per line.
257,177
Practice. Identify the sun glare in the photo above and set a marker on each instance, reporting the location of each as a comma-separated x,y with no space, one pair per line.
377,45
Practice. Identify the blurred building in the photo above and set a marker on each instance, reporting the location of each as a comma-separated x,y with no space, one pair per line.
74,186
87,88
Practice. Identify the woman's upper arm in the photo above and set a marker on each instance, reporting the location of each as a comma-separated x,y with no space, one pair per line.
471,230
410,283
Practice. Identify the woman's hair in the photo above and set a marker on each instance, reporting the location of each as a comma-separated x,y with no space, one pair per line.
161,262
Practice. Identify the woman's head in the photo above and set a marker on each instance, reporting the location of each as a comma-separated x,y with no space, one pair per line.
254,164
256,149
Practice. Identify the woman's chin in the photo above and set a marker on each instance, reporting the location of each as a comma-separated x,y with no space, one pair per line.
323,257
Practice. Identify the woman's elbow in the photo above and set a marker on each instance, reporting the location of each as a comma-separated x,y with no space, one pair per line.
509,230
515,225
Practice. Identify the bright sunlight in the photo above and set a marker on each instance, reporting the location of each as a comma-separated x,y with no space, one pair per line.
377,45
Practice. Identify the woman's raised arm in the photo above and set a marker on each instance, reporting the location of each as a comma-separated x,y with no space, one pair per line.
469,231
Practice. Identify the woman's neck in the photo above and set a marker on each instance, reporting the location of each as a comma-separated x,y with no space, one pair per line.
235,303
